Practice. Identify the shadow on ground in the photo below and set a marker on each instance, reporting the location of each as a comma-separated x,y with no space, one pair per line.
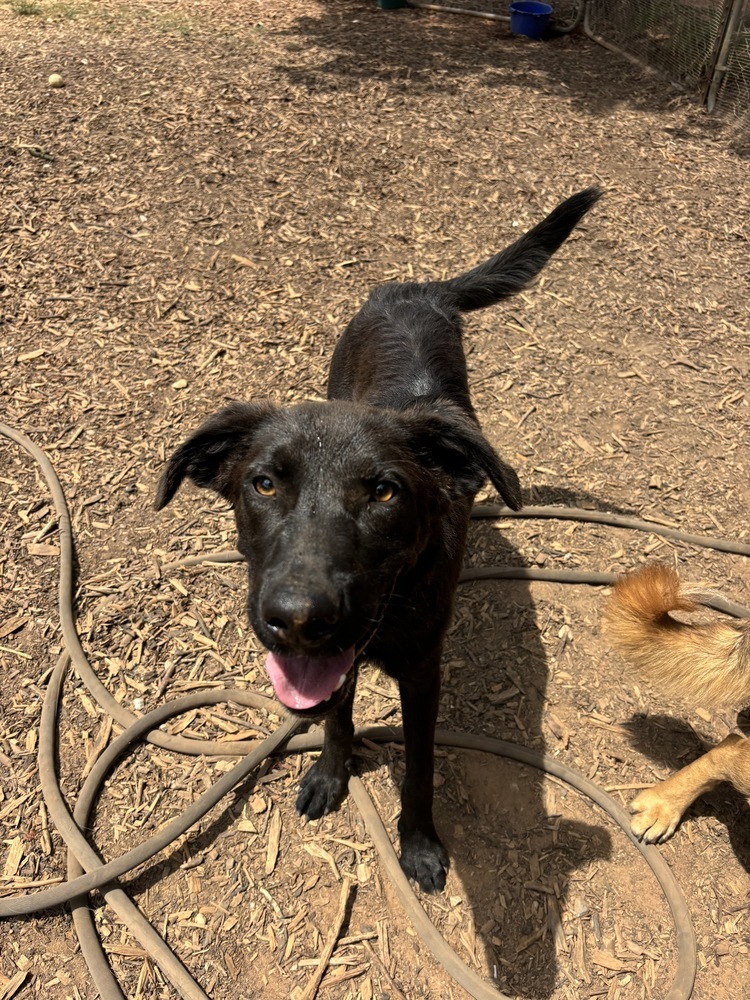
413,49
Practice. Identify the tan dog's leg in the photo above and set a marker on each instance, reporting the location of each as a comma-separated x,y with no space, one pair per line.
658,810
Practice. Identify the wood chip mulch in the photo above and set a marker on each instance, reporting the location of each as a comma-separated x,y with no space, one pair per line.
191,218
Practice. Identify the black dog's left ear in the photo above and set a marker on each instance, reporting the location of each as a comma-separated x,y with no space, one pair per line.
459,447
209,455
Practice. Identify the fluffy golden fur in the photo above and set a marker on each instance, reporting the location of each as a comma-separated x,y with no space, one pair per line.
704,663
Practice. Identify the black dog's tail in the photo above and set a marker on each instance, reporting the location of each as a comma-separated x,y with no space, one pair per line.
512,269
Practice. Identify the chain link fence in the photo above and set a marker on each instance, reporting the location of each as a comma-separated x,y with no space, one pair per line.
729,91
677,37
701,45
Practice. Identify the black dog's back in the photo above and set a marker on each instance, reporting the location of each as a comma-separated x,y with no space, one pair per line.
405,342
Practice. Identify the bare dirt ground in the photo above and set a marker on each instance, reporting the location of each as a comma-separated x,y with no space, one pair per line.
193,218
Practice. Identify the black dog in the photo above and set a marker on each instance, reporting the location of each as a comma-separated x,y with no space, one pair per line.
352,515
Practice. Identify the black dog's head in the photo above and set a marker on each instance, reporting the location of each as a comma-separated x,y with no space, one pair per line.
333,502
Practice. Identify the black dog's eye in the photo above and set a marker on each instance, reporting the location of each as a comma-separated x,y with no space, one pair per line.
383,492
264,486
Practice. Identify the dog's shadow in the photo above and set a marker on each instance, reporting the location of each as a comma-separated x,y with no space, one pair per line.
512,853
673,744
519,867
514,857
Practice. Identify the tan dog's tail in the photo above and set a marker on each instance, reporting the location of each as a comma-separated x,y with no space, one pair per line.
708,663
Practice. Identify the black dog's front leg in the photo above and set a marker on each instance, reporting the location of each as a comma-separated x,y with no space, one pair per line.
423,857
324,786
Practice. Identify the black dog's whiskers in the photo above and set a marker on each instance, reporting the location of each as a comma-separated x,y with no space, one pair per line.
338,575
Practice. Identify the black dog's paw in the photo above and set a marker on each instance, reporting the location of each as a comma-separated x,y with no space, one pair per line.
424,859
321,792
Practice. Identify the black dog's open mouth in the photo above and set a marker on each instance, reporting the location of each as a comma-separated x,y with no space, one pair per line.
302,683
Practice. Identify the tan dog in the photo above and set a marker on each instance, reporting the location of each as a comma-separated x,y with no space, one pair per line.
706,663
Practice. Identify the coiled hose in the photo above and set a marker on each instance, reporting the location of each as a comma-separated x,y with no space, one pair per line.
87,870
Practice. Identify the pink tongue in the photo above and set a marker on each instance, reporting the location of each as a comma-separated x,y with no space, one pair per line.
305,681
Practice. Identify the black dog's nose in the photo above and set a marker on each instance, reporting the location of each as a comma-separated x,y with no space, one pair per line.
301,617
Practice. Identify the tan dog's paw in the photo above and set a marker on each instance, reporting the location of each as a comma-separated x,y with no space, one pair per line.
655,816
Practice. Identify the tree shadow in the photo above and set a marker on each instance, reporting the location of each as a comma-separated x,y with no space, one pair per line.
413,50
673,743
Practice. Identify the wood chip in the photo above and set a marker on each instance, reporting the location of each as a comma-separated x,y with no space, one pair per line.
311,989
274,838
14,858
314,848
13,625
13,985
607,960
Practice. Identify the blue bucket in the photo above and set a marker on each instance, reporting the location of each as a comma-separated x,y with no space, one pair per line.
529,18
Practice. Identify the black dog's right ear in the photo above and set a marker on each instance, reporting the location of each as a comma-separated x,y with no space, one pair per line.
209,455
454,443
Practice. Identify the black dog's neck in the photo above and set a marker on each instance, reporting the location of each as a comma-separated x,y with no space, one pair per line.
437,402
404,348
